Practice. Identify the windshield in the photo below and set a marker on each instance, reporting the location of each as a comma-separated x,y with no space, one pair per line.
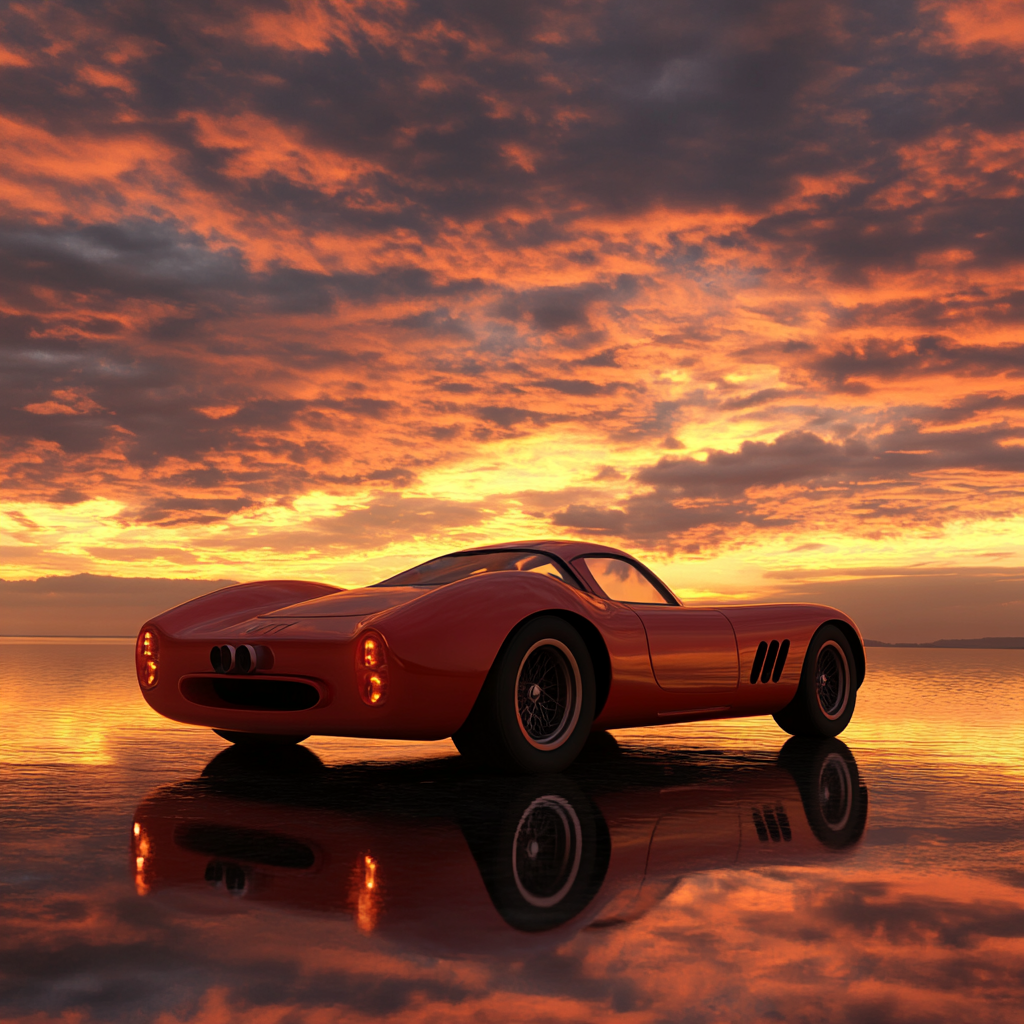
449,568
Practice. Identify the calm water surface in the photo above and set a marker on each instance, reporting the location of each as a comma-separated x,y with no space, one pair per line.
701,872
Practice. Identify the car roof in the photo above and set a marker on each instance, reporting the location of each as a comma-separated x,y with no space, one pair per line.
564,549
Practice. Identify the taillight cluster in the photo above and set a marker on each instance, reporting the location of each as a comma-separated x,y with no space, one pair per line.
147,659
372,669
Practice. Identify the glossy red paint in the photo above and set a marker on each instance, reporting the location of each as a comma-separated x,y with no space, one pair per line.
441,642
451,868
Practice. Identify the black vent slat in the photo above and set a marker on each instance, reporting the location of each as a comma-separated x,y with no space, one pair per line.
762,832
762,650
780,661
783,819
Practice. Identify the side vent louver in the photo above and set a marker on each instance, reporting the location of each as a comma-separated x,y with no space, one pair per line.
769,661
772,823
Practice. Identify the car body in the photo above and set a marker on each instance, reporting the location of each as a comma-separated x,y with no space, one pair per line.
441,862
411,658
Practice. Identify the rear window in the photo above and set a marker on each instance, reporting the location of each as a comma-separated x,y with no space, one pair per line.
450,568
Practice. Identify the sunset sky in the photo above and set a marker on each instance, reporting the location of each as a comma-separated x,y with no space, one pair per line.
320,289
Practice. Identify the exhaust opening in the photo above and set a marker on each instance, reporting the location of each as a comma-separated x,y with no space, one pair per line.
227,659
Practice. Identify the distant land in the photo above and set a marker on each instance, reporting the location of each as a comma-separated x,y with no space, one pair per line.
85,605
990,643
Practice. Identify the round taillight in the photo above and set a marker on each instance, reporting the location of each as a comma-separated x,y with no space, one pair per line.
374,688
147,659
372,669
371,652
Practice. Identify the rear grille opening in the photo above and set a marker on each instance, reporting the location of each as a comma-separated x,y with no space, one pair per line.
267,695
250,693
227,842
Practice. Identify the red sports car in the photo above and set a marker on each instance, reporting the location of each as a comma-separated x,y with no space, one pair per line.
516,651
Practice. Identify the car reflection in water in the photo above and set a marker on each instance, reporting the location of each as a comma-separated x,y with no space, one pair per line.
449,864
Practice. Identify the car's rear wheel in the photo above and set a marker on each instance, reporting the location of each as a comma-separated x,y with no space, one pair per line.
536,707
259,739
827,695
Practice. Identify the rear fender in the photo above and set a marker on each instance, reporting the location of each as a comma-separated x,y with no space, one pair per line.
459,631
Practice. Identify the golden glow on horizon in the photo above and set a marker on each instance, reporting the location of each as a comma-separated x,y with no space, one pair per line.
267,543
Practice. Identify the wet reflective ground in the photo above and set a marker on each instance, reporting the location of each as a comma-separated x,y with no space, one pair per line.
695,872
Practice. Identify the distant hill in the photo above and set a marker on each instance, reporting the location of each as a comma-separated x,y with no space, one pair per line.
87,605
991,643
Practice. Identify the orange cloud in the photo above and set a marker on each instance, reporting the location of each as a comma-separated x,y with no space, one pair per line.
304,261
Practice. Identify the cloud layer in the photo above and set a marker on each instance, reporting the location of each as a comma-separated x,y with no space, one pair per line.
686,277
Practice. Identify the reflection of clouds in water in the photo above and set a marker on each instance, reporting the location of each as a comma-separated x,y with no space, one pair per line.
921,917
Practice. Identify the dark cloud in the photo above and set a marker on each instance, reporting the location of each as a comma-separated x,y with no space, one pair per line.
572,387
936,312
683,496
147,259
756,399
929,354
509,416
604,358
678,106
805,457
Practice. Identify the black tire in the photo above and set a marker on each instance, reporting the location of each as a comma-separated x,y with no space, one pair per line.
256,740
534,712
827,694
543,855
835,800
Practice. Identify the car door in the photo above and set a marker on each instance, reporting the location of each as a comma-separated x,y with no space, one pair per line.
691,648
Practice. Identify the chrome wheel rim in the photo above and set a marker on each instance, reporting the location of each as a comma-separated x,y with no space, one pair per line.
548,694
832,680
546,851
835,792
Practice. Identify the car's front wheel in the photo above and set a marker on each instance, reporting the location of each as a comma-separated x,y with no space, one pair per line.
827,695
537,705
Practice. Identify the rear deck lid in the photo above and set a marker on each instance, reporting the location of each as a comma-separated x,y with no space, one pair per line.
362,602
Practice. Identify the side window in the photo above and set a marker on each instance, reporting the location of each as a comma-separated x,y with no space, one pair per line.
623,582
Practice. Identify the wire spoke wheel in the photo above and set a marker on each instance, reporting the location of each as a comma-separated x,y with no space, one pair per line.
835,792
536,707
827,694
832,680
546,851
548,693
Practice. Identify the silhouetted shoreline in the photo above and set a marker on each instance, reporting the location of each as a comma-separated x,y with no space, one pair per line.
991,643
